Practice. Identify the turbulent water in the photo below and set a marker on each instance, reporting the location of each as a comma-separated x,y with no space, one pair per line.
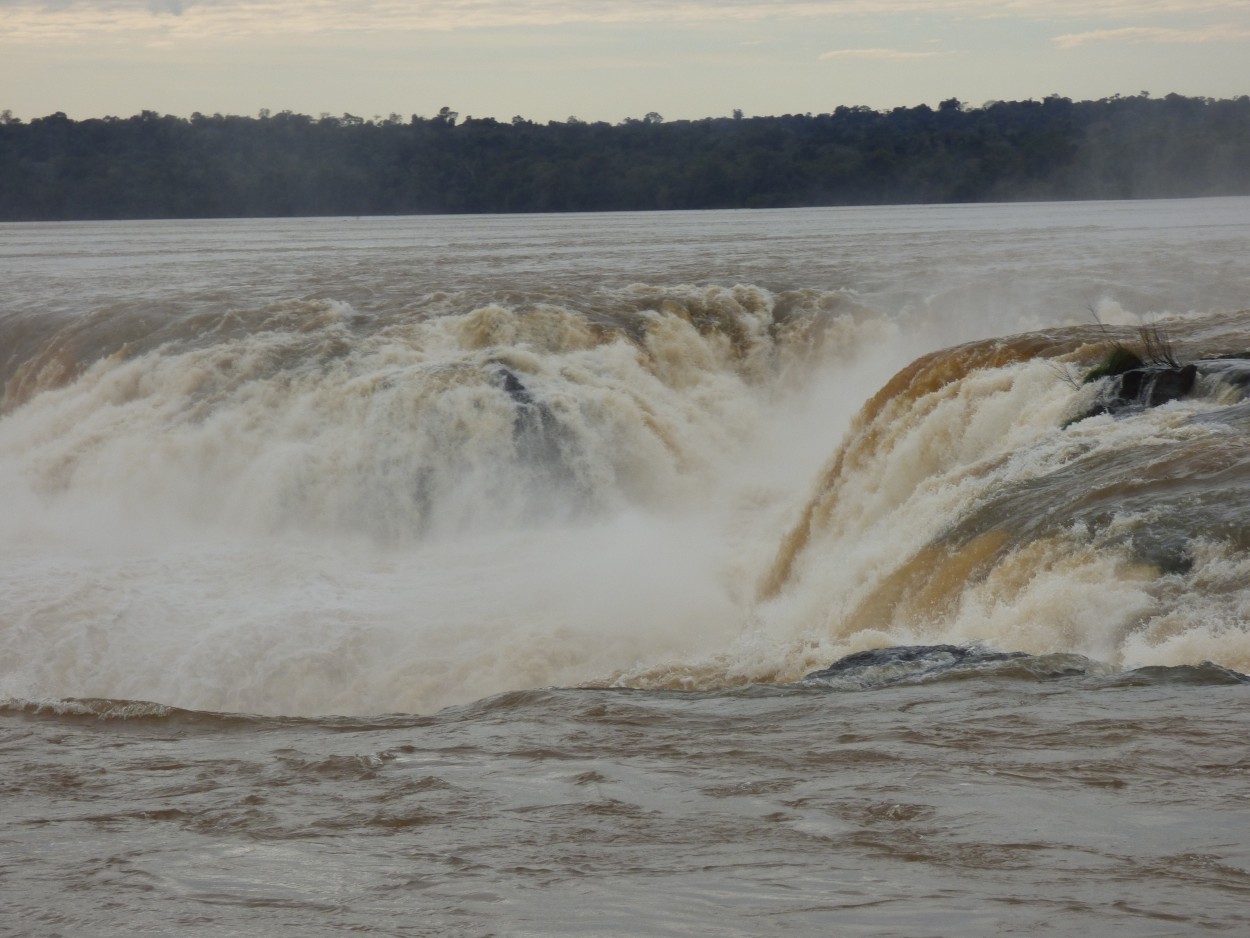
483,575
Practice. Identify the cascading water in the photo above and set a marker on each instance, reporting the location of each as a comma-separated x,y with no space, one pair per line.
525,576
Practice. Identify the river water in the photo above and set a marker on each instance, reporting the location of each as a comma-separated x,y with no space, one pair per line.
467,576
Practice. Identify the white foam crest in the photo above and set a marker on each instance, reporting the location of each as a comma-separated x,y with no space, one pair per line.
480,420
326,515
264,431
1203,615
1057,596
280,628
942,453
938,457
235,526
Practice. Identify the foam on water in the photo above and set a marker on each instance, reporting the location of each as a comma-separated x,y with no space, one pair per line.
312,506
966,506
327,513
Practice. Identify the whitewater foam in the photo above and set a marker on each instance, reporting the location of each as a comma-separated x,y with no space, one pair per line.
426,496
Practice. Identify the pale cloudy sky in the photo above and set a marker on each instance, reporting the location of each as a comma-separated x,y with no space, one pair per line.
604,59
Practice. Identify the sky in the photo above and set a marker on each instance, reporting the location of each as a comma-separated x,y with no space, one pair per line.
604,59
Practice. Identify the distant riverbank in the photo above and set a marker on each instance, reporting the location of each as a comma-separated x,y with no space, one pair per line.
286,164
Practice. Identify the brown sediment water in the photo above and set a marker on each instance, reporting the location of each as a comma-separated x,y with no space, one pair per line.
462,576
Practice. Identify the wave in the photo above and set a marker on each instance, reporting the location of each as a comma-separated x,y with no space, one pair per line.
141,714
306,509
860,672
974,501
308,415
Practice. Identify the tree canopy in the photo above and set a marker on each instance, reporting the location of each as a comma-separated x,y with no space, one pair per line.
287,164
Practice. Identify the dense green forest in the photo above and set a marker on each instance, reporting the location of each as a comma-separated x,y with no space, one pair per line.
153,166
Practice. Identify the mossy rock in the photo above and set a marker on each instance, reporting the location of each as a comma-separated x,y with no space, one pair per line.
1118,361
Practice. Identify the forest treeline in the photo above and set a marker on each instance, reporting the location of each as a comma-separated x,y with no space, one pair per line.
154,166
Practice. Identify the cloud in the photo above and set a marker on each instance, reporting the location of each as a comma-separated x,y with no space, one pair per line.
1140,34
879,54
70,20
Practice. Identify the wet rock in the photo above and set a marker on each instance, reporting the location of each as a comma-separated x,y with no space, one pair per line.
1147,386
1151,387
514,388
540,438
882,666
916,664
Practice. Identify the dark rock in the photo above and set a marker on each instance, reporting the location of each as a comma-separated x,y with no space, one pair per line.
514,388
883,666
915,664
1147,386
1171,385
540,438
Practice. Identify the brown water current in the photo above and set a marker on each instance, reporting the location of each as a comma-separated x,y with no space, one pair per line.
720,573
1007,805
